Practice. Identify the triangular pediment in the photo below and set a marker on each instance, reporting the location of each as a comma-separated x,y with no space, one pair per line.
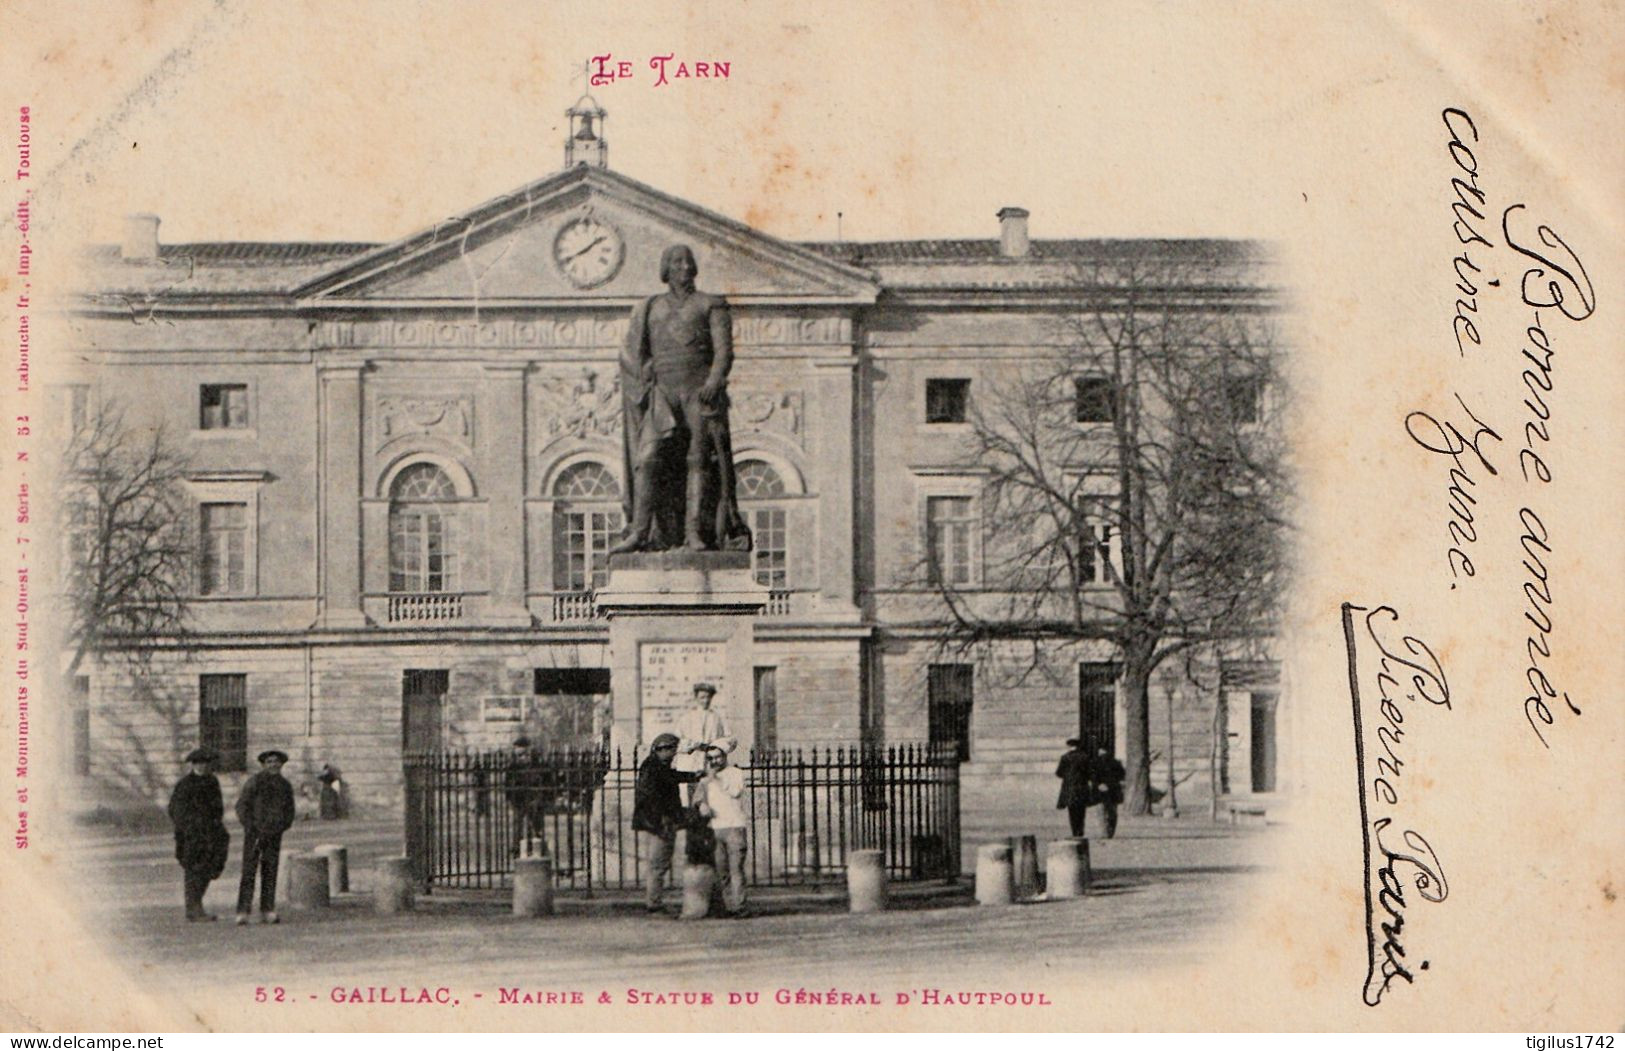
520,249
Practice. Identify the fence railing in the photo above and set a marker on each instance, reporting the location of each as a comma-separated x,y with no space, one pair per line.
470,814
430,607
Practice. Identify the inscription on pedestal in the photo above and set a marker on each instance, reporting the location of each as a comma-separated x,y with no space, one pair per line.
668,671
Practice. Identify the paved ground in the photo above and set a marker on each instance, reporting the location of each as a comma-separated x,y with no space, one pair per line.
1159,892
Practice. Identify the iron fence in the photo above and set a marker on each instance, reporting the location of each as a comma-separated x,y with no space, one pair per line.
470,814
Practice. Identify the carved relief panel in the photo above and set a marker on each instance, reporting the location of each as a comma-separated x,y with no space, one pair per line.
406,415
769,410
577,403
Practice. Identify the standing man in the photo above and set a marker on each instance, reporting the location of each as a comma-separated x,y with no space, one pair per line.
674,382
265,809
657,813
201,839
725,806
1076,790
1107,774
526,800
701,729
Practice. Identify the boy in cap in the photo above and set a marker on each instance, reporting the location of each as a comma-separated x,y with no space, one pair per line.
701,729
201,840
657,813
265,809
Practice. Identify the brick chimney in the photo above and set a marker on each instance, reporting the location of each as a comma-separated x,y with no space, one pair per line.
140,237
1013,232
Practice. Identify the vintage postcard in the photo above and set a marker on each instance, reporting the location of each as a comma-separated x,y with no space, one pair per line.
1051,516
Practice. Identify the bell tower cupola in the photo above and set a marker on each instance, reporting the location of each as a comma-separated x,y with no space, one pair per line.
586,143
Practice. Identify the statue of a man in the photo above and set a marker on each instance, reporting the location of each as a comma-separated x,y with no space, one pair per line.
674,379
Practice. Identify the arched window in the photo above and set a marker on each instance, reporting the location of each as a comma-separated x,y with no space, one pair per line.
423,538
587,521
759,483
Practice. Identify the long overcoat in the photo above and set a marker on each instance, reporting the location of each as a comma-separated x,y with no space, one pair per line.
1075,784
197,810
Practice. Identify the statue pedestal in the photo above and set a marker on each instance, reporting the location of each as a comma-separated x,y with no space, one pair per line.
677,618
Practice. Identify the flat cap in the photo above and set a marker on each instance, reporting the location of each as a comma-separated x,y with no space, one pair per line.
202,755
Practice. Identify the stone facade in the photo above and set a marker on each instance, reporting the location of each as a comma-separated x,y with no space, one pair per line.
423,440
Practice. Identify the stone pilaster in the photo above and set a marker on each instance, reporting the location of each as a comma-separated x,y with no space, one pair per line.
339,457
503,444
834,396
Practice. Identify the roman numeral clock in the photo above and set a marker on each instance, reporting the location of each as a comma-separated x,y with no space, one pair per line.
588,251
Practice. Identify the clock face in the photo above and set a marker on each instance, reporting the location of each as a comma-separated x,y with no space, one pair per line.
588,251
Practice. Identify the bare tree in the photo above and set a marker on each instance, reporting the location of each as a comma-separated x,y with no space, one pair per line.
125,523
1134,491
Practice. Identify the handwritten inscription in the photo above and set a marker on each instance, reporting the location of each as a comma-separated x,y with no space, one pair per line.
1552,288
1388,685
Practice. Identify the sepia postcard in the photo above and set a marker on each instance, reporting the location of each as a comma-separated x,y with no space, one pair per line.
922,516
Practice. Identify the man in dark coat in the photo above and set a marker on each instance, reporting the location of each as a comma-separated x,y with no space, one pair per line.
657,813
1076,790
201,840
527,797
265,809
1106,774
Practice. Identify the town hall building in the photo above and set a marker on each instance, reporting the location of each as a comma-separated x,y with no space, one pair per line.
406,470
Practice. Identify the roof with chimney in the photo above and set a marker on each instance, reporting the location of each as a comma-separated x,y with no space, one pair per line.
293,272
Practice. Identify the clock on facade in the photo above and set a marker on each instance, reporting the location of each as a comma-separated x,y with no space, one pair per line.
588,251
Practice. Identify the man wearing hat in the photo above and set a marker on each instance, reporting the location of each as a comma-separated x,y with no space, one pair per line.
1077,792
201,840
657,813
265,809
701,729
527,799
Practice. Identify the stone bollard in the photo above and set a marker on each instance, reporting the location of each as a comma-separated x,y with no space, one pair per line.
393,889
698,883
307,882
1068,865
1024,865
338,867
994,884
866,881
533,886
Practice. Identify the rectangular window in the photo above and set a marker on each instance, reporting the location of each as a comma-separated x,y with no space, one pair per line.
1099,546
586,541
947,400
223,406
423,699
81,725
223,718
770,557
1097,704
767,709
222,549
1094,400
1263,740
951,527
948,706
570,709
422,551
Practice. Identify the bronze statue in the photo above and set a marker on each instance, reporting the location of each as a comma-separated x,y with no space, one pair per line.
674,381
